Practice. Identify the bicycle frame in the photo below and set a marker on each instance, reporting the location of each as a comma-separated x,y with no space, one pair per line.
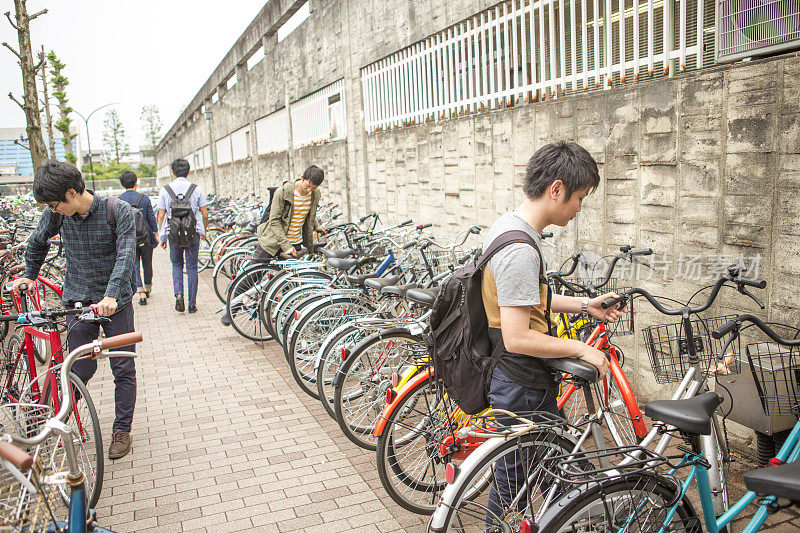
599,340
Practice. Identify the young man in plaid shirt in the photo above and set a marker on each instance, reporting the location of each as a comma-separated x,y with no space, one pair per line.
100,246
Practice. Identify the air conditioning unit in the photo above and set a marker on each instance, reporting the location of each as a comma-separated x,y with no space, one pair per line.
747,28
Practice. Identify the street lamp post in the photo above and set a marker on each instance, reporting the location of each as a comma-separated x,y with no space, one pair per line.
89,140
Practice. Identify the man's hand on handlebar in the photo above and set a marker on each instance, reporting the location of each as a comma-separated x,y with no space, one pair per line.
107,306
19,281
609,315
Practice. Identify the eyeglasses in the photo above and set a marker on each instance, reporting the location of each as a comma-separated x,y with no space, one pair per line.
53,208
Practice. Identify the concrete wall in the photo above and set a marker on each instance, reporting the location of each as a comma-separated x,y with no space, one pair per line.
705,164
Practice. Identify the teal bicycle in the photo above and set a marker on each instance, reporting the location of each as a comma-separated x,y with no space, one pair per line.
648,496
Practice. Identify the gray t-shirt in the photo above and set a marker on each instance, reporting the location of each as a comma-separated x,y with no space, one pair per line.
516,273
516,267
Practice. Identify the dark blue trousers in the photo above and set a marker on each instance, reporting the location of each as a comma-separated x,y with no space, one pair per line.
123,368
510,471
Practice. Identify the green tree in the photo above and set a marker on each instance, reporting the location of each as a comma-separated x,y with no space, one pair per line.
114,135
146,171
151,124
60,82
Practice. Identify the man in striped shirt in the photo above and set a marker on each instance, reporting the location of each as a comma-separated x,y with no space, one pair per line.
293,216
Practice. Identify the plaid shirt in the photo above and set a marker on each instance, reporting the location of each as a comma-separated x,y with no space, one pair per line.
100,262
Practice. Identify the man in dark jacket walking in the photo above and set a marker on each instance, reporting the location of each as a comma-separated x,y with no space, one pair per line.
144,254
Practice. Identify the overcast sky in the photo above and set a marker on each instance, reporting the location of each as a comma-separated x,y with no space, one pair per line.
137,53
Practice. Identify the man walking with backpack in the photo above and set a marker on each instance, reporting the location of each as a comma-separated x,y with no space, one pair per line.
146,233
182,203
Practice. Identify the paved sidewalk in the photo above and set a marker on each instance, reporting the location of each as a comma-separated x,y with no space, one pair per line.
224,439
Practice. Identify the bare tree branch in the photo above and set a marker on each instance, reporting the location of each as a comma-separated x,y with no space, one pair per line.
31,17
10,95
8,16
13,51
38,65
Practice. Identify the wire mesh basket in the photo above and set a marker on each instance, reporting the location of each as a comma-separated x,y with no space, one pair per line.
776,370
668,349
20,508
623,326
439,261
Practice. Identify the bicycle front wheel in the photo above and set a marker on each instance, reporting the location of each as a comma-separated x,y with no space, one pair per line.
86,438
636,503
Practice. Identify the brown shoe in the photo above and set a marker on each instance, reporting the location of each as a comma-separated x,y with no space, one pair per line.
120,445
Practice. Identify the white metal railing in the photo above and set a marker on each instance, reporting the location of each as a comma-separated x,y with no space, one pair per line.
272,132
319,116
532,50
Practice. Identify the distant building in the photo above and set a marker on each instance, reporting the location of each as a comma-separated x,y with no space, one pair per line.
15,156
143,156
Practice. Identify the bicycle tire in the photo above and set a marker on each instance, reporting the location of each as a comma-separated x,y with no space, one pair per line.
89,447
467,509
292,296
310,333
226,271
204,255
652,496
360,390
244,295
345,337
422,413
14,372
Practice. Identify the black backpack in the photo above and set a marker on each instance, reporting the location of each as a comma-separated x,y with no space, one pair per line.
142,233
182,222
265,214
458,335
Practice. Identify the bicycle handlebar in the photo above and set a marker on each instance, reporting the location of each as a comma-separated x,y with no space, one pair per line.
15,456
736,323
732,276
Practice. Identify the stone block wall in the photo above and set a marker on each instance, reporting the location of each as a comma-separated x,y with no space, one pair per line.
703,167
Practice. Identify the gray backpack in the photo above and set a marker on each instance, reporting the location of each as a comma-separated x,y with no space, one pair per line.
182,222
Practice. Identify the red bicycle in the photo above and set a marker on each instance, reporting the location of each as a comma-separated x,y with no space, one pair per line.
21,383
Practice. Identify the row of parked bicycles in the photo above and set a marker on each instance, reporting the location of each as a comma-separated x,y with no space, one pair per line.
351,317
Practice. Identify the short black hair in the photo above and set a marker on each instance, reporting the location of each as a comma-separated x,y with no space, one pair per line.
128,179
52,179
565,161
315,174
180,167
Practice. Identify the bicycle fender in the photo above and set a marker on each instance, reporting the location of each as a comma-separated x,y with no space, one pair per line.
402,393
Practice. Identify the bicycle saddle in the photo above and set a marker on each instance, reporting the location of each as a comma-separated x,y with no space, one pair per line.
359,279
424,296
342,264
782,481
379,283
16,269
692,415
399,290
574,367
338,254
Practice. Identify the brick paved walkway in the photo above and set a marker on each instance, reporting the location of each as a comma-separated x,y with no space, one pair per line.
224,440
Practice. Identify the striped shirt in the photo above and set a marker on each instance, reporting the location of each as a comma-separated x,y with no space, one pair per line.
302,204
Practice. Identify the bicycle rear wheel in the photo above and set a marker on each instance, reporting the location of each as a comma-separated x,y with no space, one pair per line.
636,503
362,380
244,295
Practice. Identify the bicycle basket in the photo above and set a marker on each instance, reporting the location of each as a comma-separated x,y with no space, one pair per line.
668,349
435,262
776,370
20,509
